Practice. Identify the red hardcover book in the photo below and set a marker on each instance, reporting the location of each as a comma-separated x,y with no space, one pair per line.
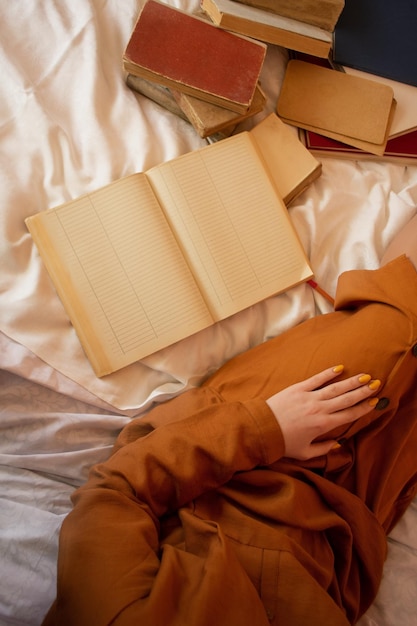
189,54
402,149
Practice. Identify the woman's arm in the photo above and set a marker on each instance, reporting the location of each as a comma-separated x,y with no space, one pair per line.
111,569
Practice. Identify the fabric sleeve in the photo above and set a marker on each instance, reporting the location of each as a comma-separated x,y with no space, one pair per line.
109,556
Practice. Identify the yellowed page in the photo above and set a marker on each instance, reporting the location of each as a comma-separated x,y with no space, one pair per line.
291,166
235,230
119,272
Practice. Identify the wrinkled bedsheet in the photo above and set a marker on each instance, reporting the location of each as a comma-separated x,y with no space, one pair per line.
69,124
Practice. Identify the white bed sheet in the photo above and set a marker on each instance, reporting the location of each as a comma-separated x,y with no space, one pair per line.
68,124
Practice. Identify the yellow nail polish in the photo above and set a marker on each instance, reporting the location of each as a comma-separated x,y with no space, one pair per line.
339,368
374,384
365,378
373,401
336,446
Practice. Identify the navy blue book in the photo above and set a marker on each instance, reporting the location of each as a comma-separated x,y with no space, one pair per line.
379,37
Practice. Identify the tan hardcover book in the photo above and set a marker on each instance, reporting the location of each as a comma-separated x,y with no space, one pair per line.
157,256
163,96
268,27
157,93
189,54
207,119
293,167
322,13
353,110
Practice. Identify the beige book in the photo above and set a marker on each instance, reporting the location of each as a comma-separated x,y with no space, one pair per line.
292,166
157,256
157,93
269,27
207,119
346,108
163,96
322,13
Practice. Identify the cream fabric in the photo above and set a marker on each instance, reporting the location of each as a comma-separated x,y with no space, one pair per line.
68,124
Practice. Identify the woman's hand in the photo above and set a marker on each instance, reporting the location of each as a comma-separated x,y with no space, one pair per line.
315,406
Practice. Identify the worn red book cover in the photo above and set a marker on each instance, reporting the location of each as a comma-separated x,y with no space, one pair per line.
187,53
401,149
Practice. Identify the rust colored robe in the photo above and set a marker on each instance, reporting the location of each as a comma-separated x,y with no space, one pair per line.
198,520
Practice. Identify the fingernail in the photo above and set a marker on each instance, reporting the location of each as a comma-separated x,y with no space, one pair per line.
336,446
373,401
365,378
339,368
374,384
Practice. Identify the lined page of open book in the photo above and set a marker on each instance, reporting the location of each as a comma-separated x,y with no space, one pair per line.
234,229
153,258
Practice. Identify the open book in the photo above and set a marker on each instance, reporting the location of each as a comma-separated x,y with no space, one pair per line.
155,257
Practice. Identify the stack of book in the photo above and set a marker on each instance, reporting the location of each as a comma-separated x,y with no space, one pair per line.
203,73
208,72
400,148
368,40
340,124
345,108
376,40
299,25
190,64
